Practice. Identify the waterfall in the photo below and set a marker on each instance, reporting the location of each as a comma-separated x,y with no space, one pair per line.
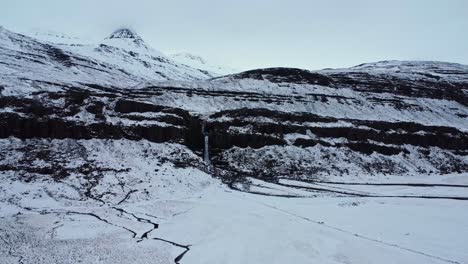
206,154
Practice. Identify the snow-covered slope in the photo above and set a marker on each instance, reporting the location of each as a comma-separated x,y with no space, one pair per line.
429,79
53,36
198,62
27,64
122,60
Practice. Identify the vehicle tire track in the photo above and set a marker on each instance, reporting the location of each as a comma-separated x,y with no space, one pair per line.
360,194
391,184
355,234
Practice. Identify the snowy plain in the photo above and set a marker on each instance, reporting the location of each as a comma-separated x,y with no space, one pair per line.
225,226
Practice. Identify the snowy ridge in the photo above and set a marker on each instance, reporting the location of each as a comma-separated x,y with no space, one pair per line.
415,70
53,36
198,62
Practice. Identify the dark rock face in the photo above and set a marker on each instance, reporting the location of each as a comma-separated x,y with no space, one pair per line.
59,55
221,140
368,149
128,106
35,118
192,126
289,75
124,33
17,126
395,133
283,116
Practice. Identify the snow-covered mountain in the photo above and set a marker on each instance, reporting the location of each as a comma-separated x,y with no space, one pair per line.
123,59
152,159
125,49
128,40
198,62
28,64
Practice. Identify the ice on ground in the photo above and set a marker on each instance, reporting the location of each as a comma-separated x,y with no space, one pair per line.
220,225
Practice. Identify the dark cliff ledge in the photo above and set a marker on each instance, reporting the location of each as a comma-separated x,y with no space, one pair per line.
287,75
17,126
53,116
394,133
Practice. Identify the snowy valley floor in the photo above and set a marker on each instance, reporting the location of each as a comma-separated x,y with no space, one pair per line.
219,225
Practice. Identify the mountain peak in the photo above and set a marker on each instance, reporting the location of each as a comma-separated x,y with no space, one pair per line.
129,40
124,33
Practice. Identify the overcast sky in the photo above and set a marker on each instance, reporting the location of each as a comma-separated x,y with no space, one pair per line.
264,33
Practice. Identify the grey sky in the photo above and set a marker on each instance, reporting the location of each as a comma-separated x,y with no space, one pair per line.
264,33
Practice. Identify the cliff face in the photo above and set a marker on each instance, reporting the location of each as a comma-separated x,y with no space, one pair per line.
267,124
